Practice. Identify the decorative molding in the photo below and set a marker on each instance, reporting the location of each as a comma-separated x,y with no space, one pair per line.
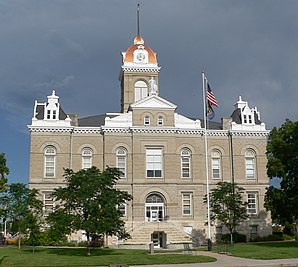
145,129
50,129
140,69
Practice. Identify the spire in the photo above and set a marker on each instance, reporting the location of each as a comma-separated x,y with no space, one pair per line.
138,20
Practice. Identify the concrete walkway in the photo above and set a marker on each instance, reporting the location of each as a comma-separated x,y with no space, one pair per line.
224,260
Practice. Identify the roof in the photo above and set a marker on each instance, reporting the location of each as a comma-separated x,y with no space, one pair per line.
40,113
137,42
236,117
94,121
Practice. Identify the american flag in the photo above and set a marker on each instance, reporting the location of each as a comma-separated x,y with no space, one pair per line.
211,97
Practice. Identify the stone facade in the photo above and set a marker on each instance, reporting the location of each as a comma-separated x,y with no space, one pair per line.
161,153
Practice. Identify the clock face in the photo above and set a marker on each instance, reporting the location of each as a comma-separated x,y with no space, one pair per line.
140,56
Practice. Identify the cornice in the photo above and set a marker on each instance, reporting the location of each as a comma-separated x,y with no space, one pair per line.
50,129
153,130
140,69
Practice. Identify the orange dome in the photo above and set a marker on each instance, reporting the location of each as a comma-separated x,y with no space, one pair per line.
138,40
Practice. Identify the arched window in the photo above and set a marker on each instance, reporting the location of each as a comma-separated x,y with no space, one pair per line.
250,156
86,158
160,120
49,161
147,120
185,162
121,154
141,90
155,207
216,164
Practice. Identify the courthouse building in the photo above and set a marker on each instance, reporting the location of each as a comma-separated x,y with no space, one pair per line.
161,154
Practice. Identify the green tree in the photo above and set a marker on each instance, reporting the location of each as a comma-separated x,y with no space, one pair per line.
24,210
89,202
282,154
226,205
3,172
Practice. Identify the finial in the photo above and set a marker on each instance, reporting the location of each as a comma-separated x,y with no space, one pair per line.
138,20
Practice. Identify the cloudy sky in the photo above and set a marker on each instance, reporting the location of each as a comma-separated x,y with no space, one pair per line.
245,47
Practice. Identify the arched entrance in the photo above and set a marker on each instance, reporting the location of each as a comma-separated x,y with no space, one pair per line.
155,208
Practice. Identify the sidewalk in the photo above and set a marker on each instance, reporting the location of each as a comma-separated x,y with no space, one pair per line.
224,260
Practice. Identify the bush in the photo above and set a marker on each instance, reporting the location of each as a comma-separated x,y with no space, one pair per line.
273,237
237,238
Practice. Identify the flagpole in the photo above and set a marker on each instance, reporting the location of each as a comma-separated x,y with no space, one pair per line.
206,159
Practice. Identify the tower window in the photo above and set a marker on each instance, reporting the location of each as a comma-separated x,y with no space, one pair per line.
141,90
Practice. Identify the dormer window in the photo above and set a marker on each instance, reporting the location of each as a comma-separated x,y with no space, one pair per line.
48,114
54,114
146,120
248,119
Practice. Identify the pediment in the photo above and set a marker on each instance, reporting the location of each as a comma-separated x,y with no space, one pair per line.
153,102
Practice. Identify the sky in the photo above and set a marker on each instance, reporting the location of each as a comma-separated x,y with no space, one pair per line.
246,48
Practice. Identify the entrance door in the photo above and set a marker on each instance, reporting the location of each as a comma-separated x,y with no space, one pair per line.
158,239
154,215
155,208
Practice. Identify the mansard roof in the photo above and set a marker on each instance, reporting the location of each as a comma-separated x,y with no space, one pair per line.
40,112
94,121
236,117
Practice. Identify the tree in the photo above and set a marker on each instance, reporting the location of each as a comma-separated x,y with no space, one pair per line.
226,205
89,203
3,171
24,210
282,154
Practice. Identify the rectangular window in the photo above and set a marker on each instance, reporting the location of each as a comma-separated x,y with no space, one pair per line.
185,167
122,208
48,202
154,162
187,203
250,119
252,203
250,168
244,119
121,165
86,162
48,114
54,114
49,166
216,168
254,233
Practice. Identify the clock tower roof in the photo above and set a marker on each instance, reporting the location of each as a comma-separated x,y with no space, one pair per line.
139,44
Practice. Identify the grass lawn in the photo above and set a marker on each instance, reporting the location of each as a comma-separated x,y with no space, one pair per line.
266,251
11,256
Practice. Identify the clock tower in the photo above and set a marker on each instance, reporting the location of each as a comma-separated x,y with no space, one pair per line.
139,66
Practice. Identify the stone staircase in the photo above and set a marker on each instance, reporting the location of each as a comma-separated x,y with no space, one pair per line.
141,233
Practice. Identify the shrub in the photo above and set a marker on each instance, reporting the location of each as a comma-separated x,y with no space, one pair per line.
237,238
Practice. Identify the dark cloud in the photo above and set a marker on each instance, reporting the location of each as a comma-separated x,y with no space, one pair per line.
246,48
